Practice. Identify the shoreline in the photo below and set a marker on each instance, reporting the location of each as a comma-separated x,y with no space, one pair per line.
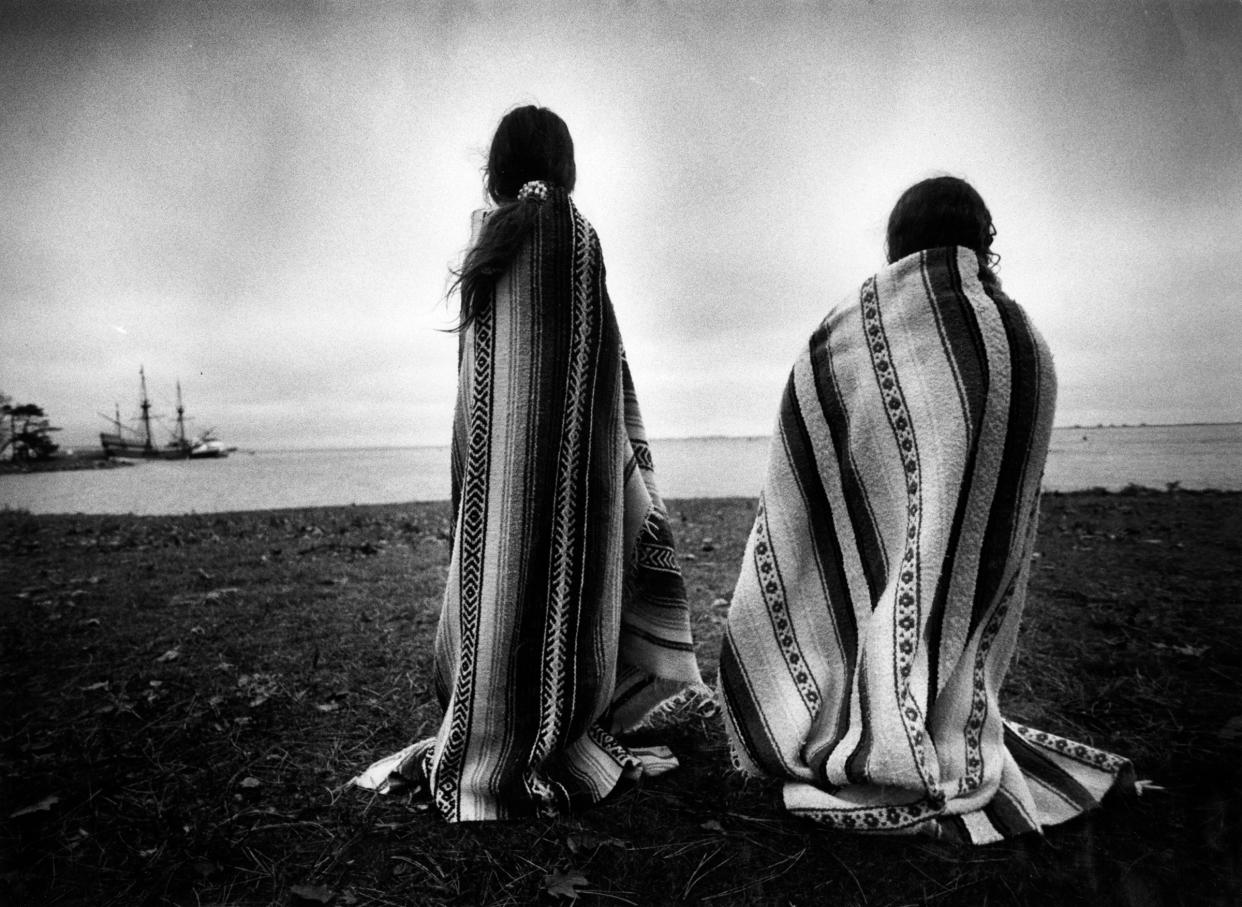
88,452
93,459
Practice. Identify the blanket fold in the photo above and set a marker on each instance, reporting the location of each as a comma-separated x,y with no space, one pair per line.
564,618
883,581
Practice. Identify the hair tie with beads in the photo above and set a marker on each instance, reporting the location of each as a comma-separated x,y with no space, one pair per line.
536,189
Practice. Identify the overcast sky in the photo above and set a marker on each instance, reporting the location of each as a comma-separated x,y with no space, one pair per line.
263,199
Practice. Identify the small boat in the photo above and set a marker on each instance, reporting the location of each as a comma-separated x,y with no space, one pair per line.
129,443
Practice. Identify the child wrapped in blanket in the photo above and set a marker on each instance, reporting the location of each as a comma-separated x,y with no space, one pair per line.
883,581
564,618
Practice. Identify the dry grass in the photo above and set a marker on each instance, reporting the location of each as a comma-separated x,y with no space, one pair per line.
184,698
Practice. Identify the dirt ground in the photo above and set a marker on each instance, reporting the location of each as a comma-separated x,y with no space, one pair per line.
182,700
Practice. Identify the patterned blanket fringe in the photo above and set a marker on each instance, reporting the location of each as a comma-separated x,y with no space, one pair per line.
696,701
396,773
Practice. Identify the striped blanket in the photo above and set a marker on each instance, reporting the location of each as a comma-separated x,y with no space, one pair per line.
883,582
564,618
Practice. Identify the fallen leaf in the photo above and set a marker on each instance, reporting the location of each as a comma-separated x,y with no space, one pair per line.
44,805
564,884
171,655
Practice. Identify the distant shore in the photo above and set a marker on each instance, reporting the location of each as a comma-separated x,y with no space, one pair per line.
88,452
86,458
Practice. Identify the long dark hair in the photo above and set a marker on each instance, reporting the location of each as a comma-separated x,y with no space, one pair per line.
941,211
531,143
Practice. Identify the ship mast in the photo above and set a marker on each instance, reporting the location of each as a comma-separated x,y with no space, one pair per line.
181,419
146,409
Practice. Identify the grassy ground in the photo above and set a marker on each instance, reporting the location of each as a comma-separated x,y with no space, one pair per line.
183,698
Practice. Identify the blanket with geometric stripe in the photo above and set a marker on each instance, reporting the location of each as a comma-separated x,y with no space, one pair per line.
883,582
564,619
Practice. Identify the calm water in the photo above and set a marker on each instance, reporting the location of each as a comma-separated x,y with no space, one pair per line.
1197,456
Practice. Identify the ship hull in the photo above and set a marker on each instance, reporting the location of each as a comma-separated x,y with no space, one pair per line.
133,445
116,446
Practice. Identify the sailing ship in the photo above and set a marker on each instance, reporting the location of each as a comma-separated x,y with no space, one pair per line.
130,443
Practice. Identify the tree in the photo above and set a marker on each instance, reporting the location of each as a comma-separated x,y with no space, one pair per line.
26,431
6,422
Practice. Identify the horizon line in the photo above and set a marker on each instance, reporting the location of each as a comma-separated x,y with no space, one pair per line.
243,449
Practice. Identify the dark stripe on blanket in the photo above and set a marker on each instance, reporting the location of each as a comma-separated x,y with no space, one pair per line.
1024,402
630,691
829,560
1034,763
959,330
1007,815
751,724
963,346
856,764
656,640
545,354
630,465
458,447
867,536
953,828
